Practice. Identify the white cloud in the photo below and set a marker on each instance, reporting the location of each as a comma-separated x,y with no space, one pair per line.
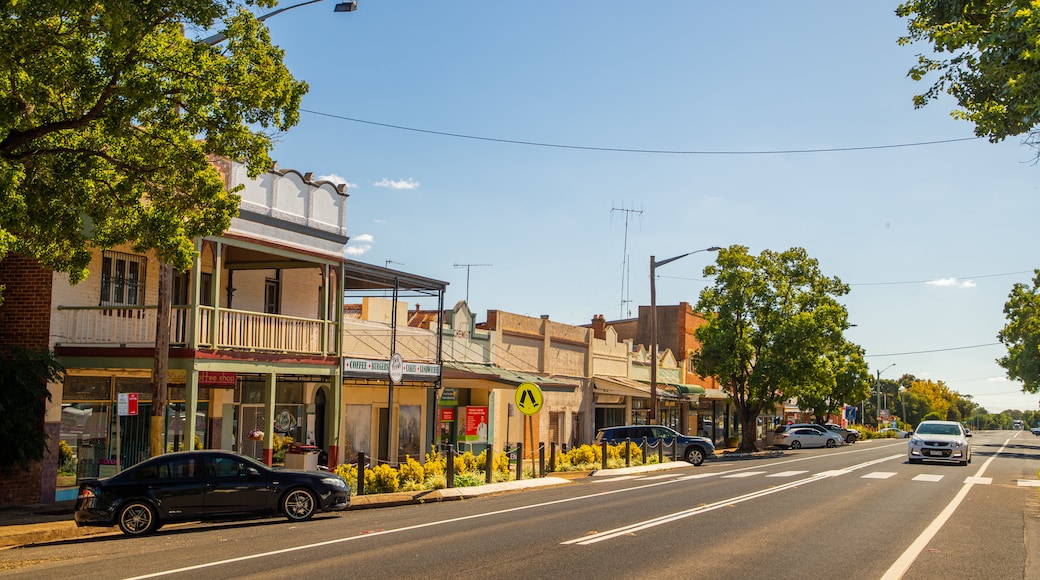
332,177
946,282
359,244
397,183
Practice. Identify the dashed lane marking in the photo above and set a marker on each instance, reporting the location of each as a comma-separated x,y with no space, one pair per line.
787,473
927,477
1029,483
878,475
743,474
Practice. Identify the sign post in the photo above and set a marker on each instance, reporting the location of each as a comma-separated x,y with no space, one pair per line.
529,400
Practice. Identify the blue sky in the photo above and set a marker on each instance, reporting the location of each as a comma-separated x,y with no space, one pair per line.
931,238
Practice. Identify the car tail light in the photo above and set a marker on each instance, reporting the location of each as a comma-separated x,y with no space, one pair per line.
86,493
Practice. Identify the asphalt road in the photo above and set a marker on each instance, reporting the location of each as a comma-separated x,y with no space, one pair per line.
858,511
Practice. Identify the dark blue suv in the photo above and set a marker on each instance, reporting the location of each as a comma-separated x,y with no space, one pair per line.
693,449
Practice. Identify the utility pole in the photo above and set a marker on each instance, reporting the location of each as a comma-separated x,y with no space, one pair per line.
467,267
625,287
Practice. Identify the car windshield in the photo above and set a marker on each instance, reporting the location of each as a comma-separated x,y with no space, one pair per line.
937,429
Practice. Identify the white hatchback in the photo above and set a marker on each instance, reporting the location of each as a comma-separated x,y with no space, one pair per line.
939,441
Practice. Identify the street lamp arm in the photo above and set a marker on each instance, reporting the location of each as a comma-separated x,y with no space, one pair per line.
670,260
221,37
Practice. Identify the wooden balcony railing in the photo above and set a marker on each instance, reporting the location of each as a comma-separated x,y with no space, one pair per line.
235,329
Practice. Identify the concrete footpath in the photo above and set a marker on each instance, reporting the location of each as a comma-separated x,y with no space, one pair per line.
40,523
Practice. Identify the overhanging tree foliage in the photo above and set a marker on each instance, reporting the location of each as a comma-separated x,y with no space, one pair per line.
24,375
1021,335
769,320
109,115
987,57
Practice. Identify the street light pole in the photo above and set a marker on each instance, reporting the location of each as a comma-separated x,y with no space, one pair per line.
652,415
878,385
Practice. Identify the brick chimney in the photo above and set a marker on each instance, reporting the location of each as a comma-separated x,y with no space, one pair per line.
599,326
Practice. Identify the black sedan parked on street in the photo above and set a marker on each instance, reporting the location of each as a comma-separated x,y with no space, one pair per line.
204,485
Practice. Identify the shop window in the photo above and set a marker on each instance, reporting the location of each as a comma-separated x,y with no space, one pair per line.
87,389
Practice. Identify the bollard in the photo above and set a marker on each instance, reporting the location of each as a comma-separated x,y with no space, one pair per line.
489,465
361,474
519,461
552,457
604,444
449,469
643,448
541,460
628,452
660,450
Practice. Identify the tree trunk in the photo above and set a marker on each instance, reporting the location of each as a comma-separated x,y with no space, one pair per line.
157,440
748,436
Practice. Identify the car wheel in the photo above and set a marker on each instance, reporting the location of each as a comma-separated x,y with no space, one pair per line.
137,518
298,505
796,444
695,456
850,439
831,443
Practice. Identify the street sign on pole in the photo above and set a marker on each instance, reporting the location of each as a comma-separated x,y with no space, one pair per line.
529,398
126,404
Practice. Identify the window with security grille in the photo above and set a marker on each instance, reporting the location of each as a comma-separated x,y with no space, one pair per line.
122,279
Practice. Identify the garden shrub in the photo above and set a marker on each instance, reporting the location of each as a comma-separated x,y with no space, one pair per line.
381,479
411,471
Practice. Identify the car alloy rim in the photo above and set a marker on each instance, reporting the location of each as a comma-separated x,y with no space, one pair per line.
137,518
299,503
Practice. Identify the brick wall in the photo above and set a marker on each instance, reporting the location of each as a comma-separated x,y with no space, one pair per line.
25,311
25,321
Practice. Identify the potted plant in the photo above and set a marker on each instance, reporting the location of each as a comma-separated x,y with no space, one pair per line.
256,435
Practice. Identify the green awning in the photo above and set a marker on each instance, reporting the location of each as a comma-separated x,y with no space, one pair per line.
460,372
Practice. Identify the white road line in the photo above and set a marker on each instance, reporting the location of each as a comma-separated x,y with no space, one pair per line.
928,477
787,473
639,526
978,480
665,476
608,479
1029,483
878,475
743,474
903,563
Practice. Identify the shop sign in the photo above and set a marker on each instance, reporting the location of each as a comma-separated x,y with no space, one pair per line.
447,415
358,367
218,378
476,424
449,397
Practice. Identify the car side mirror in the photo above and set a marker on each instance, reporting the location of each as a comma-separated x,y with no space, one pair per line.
967,434
252,473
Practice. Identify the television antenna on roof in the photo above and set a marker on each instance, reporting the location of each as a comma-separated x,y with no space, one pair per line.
467,267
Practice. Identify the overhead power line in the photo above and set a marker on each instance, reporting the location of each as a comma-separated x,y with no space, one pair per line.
631,150
934,350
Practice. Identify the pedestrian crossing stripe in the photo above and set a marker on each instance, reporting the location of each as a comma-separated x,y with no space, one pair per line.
927,477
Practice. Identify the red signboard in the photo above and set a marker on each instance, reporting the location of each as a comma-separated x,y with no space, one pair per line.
447,415
476,424
126,404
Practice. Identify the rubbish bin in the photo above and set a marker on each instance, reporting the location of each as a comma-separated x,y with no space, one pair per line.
303,457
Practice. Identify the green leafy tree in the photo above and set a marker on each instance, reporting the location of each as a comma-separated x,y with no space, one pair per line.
769,319
841,378
985,53
109,117
1021,335
24,375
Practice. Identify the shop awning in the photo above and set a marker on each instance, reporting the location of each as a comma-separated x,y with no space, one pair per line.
631,388
486,376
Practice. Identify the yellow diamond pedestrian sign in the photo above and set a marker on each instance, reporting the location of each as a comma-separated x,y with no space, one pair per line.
528,398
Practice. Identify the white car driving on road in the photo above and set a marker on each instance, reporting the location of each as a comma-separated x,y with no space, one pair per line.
939,441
